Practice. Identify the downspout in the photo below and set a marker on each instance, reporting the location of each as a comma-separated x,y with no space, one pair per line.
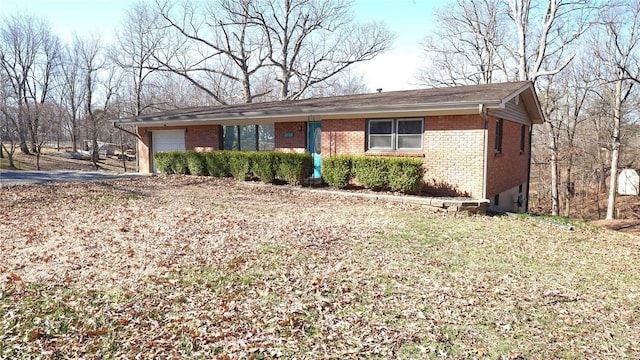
483,113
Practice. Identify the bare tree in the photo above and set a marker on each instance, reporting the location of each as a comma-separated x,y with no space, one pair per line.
533,41
138,39
311,41
564,97
72,91
215,48
101,80
29,57
9,137
468,45
543,48
550,100
619,52
578,83
488,40
345,83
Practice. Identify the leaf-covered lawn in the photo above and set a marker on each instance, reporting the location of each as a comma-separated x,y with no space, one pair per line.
188,267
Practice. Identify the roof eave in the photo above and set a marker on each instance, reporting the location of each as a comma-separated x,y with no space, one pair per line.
311,114
533,102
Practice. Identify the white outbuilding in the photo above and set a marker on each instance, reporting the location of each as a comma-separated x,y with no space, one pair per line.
629,182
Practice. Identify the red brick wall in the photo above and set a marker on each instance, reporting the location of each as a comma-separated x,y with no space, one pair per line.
454,152
343,137
143,151
453,149
198,138
510,167
297,143
202,138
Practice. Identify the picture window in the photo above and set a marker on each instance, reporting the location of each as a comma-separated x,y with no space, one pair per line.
395,134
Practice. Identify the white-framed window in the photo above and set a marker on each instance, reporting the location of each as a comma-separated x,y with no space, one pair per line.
395,134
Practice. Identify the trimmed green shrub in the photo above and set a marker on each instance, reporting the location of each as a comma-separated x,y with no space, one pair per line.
217,163
179,163
171,162
163,161
239,164
404,174
371,172
294,168
196,163
336,170
264,165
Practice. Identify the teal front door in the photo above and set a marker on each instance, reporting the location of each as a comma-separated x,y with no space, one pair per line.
314,141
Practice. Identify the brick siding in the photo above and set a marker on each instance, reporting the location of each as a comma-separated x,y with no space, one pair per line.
510,167
454,152
198,138
295,144
343,137
202,138
143,151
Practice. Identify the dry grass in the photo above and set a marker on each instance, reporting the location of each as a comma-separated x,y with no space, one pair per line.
50,161
188,267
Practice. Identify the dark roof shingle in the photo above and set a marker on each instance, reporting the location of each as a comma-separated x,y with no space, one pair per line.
433,96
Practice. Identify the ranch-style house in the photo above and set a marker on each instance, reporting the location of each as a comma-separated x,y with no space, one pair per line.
474,140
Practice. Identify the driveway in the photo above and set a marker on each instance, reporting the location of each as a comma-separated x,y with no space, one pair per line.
8,177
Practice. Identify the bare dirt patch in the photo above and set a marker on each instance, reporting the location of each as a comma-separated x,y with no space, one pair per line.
194,267
628,226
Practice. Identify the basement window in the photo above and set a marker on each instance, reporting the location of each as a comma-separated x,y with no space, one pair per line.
395,134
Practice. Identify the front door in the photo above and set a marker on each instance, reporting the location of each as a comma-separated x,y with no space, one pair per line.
314,141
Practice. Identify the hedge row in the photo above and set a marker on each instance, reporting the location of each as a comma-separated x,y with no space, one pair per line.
267,166
376,173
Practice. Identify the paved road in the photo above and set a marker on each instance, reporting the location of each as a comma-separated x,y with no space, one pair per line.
37,177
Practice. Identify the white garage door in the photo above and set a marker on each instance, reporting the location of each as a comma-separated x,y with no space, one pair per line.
166,140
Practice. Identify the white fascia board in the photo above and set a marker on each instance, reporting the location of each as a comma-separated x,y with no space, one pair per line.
253,117
533,103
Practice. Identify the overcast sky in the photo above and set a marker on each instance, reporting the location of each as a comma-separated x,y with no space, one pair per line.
395,70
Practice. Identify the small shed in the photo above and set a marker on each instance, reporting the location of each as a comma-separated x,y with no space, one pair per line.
629,182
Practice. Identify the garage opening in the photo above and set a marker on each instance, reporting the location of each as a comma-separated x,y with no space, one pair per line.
166,140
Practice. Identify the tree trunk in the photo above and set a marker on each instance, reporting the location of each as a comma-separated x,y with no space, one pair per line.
555,208
9,153
553,161
615,150
74,136
24,148
95,155
611,201
122,153
37,158
569,191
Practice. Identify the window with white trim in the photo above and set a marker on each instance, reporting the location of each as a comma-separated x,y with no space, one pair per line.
395,134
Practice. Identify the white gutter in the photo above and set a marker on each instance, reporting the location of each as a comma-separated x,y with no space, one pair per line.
231,115
482,110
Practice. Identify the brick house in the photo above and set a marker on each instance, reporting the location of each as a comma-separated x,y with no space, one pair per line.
474,140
